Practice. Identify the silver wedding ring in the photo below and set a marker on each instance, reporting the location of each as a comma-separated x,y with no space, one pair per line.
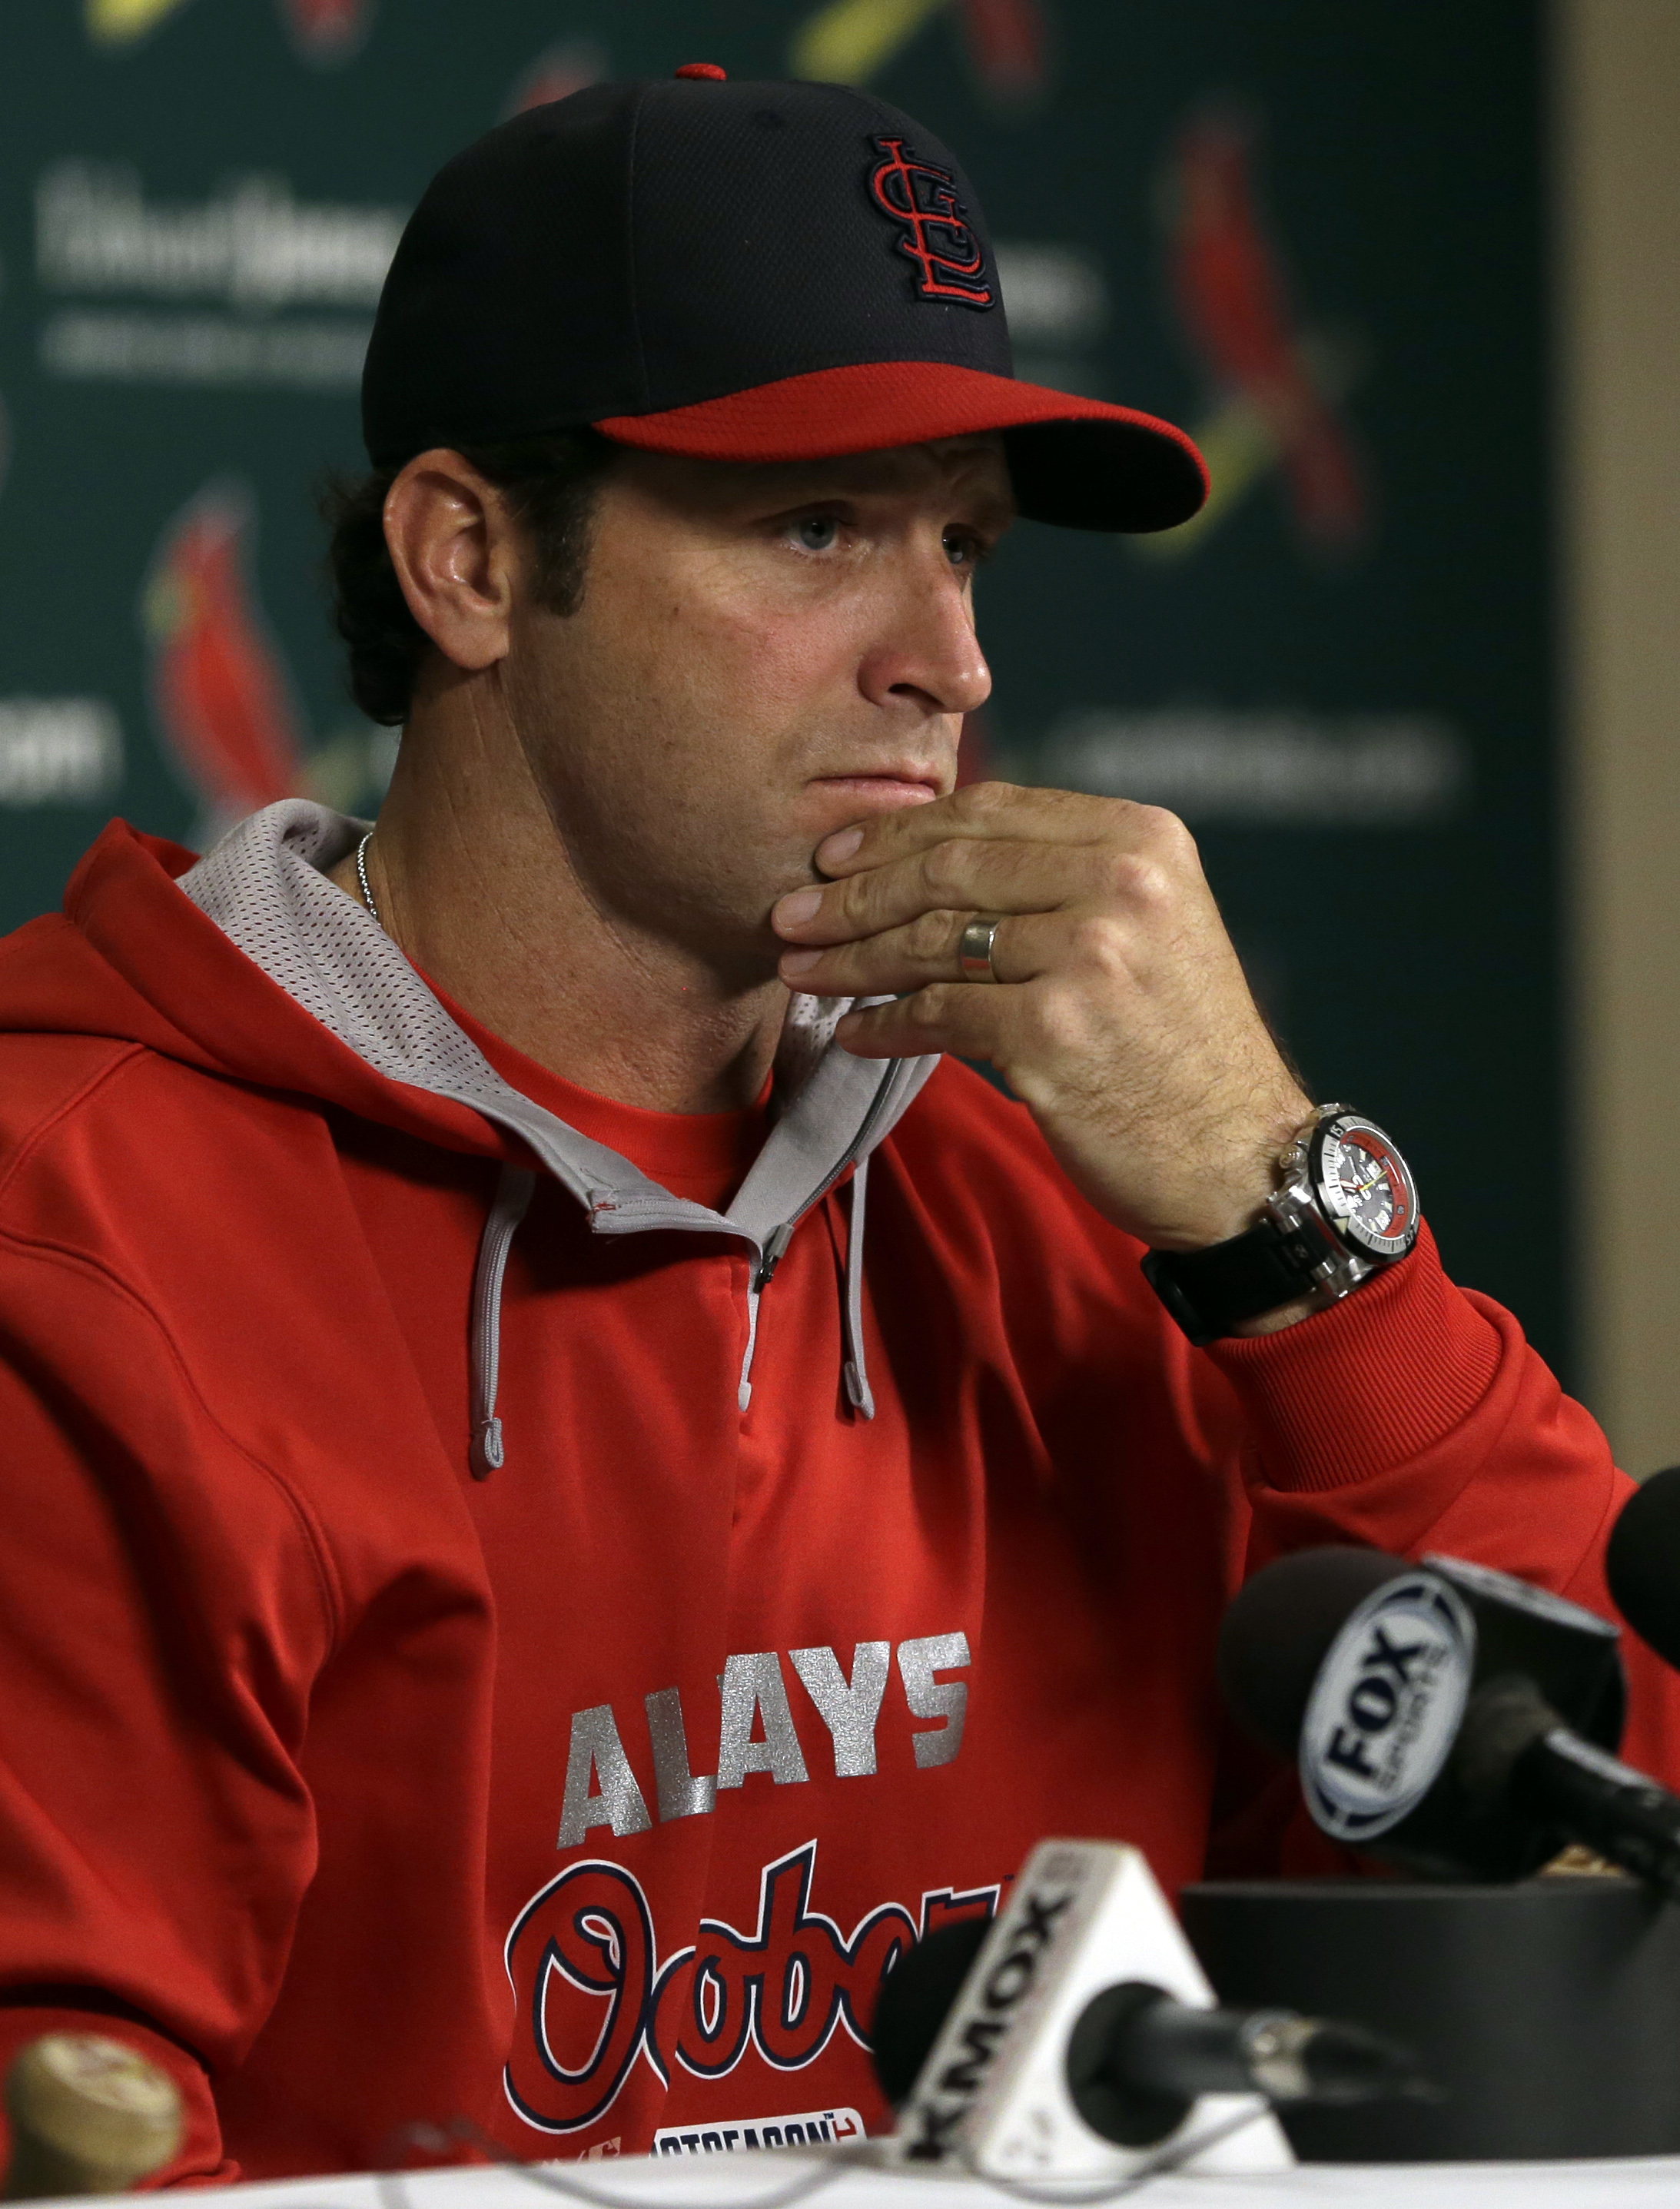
974,948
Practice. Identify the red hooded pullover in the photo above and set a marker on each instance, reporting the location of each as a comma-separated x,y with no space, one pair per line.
475,1645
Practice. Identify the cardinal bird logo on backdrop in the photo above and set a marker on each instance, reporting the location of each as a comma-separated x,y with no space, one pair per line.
851,41
121,22
557,73
327,31
324,31
1276,384
1009,48
221,699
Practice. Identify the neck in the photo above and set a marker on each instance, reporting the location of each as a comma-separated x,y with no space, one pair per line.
474,882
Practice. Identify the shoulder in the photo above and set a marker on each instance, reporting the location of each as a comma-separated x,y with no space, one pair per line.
111,1149
95,1080
44,1078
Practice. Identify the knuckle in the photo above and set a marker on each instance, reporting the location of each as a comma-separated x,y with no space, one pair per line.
1152,884
943,866
982,801
1165,834
848,901
932,934
1098,939
1140,880
928,1008
1052,1018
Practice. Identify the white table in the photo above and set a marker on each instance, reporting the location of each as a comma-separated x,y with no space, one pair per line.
740,2181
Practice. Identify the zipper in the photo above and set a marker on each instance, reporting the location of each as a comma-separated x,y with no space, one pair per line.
775,1246
775,1242
877,1107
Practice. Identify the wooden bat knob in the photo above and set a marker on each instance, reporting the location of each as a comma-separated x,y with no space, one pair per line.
88,2116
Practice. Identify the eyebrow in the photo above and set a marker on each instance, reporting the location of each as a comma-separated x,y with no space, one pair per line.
989,509
997,514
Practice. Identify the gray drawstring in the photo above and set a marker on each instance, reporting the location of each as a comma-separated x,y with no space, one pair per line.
744,1387
514,1188
857,1374
857,1391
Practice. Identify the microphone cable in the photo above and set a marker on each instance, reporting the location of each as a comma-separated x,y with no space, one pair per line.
830,2163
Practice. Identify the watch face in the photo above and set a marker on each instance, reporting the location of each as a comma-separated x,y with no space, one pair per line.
1364,1186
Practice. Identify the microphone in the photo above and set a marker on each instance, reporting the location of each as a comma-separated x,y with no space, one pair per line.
1075,2036
1138,2058
1642,1563
1446,1716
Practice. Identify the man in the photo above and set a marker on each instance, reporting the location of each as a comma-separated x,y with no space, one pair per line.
515,1608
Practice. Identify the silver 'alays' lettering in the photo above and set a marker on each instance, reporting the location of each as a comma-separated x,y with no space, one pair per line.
849,1708
596,1752
602,1789
930,1698
681,1794
751,1687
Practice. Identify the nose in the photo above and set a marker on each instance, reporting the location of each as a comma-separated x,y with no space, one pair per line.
925,652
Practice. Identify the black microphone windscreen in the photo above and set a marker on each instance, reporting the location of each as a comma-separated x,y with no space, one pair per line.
915,2000
1642,1563
1279,1629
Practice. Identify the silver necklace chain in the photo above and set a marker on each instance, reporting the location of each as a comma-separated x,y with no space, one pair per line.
362,877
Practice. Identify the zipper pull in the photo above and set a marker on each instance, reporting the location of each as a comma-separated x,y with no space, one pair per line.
775,1242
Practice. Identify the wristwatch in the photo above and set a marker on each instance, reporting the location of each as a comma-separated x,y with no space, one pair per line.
1346,1210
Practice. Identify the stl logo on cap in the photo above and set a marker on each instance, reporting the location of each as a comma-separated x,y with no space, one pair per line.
924,199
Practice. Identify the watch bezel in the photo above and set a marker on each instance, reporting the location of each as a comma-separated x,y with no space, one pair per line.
1323,1153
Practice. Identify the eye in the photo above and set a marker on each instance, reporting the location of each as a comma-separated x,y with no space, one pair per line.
962,548
817,533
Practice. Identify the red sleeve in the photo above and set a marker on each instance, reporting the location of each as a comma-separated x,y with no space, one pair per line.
201,2161
163,1618
1414,1416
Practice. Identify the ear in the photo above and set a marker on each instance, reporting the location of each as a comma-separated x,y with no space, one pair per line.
453,544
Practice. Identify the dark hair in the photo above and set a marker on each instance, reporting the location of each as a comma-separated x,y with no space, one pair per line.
551,485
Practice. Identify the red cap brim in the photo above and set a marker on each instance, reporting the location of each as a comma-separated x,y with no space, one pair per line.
1080,463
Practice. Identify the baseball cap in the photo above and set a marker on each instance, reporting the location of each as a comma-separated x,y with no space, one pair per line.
736,270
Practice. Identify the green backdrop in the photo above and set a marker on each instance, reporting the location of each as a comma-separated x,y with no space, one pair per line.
1311,232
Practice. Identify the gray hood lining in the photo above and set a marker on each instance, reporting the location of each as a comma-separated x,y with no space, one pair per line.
265,887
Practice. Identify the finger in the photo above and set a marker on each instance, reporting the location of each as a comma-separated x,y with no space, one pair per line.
956,874
928,949
968,1019
983,811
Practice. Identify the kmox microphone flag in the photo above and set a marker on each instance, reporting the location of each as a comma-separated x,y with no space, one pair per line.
1076,2036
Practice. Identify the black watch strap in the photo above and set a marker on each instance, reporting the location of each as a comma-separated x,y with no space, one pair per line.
1210,1292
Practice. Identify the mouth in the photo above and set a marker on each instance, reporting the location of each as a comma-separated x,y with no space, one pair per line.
889,787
